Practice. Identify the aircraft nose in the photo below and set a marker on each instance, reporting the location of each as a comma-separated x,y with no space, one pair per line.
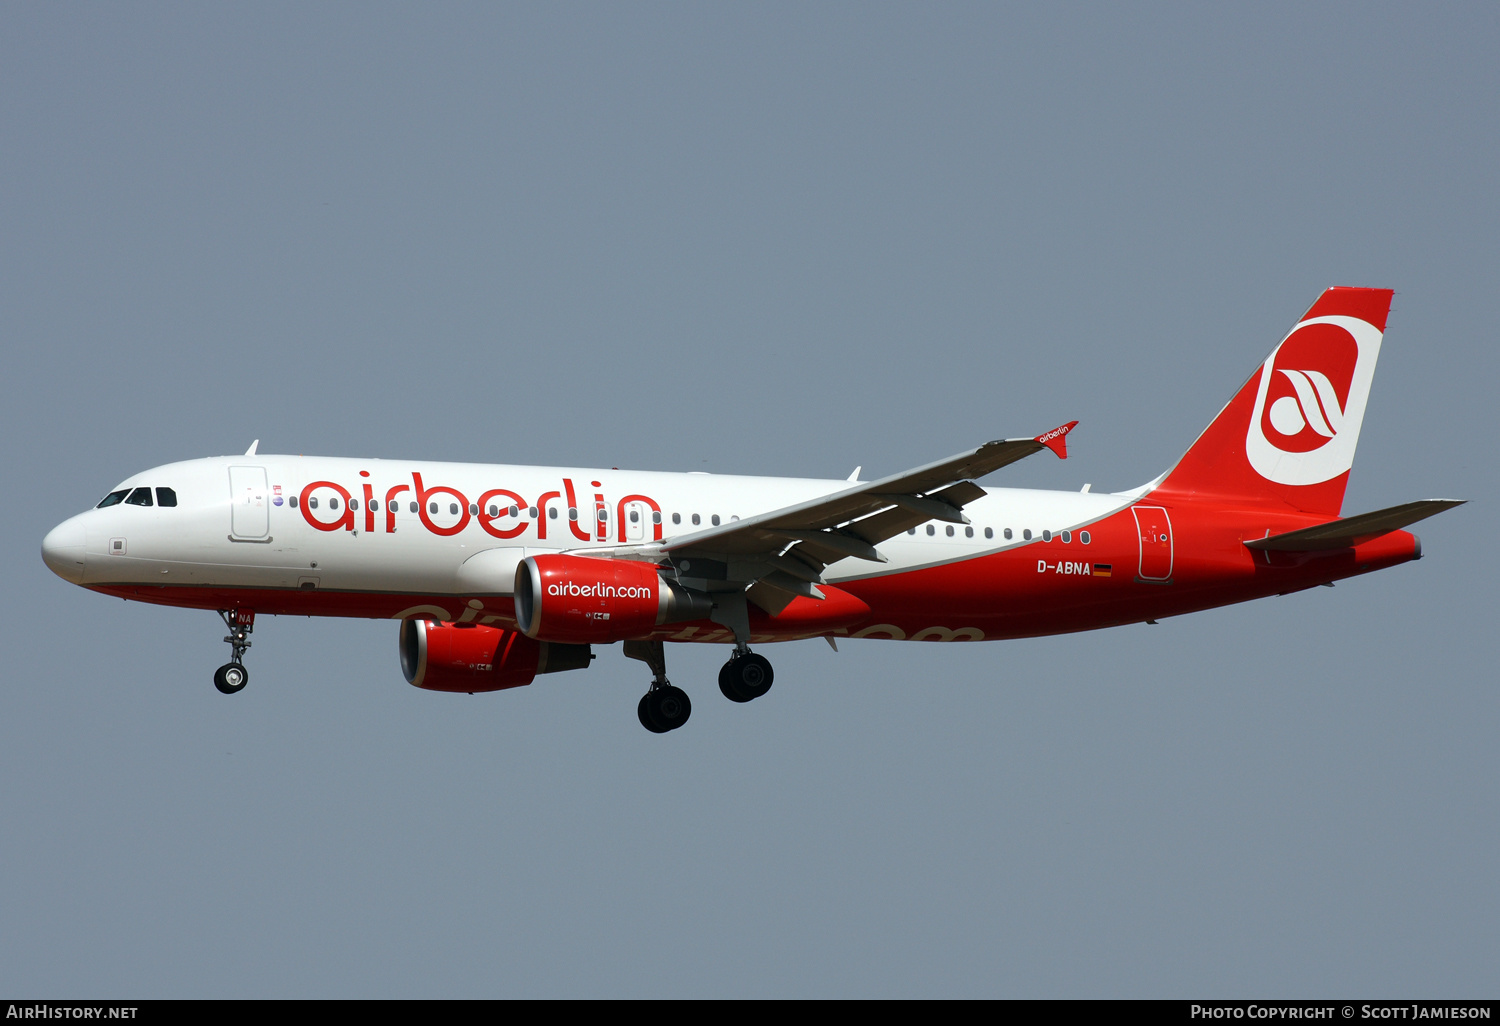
63,548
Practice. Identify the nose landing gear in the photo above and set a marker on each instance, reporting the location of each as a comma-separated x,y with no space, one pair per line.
232,676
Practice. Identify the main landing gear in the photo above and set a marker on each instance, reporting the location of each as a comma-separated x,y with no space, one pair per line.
232,676
664,707
746,676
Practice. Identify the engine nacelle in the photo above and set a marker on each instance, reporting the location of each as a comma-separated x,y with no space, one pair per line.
584,599
469,657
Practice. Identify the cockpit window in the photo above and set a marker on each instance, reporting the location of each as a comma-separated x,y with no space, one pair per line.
112,498
166,497
139,497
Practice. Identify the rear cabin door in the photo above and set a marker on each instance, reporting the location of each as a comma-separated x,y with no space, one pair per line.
1155,531
249,511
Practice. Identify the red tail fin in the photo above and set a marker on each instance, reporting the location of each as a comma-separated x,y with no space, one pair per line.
1288,436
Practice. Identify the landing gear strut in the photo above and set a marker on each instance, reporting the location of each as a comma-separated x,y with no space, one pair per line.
232,676
664,707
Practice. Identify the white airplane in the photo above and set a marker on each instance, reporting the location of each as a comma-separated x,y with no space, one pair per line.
500,573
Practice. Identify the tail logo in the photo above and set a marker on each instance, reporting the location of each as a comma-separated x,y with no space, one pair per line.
1311,401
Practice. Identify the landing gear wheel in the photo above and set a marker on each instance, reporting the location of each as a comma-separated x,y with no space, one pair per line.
643,711
746,677
231,678
664,709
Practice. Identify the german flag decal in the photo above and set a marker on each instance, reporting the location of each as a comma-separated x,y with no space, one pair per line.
1102,569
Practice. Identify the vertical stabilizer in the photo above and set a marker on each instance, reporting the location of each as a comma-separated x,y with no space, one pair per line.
1287,438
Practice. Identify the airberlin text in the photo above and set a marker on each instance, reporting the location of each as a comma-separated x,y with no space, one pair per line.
598,590
499,512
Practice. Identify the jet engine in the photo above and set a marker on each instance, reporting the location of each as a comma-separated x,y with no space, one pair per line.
470,657
585,599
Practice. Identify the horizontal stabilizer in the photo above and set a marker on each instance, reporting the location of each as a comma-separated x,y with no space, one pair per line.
1350,531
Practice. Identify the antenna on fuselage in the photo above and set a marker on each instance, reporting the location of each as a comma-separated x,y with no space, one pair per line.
251,451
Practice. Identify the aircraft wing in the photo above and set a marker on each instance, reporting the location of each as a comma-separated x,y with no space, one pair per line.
783,552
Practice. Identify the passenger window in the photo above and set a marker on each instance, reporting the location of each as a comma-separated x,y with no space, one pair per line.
716,520
531,512
635,516
1026,534
1083,536
292,501
1067,536
697,519
931,530
1008,535
603,514
139,497
112,498
413,507
950,530
656,516
354,504
676,518
968,532
911,530
989,532
494,510
515,511
166,497
333,503
473,510
453,509
1046,536
552,513
431,508
312,503
572,513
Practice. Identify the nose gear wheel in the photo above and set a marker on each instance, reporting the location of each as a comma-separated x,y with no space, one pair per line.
232,677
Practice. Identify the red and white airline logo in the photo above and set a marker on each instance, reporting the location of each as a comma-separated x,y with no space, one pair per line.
1311,401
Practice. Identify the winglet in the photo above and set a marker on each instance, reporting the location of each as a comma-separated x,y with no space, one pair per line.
253,446
1057,439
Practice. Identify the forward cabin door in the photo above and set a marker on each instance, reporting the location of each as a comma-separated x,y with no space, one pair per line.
249,511
1155,530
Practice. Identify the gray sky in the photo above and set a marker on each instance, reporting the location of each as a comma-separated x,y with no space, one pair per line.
747,239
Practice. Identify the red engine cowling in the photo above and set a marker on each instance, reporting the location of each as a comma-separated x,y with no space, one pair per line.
582,599
468,657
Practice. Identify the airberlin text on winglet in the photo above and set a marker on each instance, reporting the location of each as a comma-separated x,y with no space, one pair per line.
1057,439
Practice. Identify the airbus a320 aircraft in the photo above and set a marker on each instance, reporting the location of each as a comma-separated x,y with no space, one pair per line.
500,573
